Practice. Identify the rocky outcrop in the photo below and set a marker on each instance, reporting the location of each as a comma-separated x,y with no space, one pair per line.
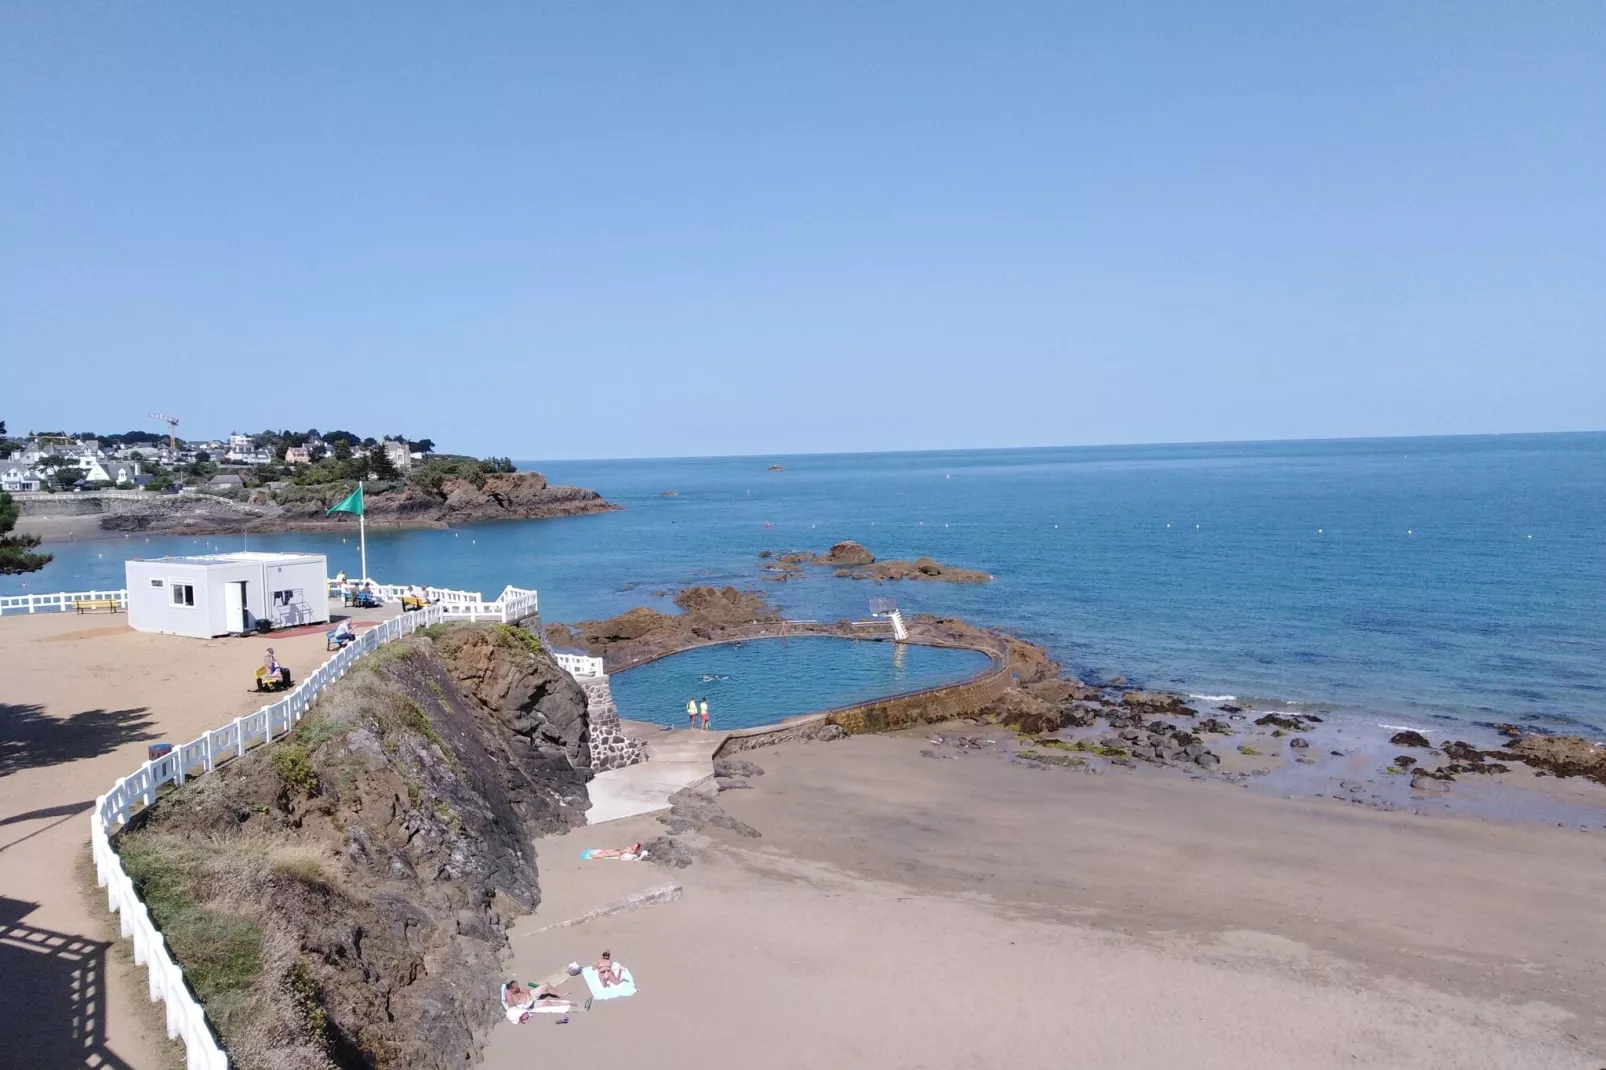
852,561
509,496
643,633
1562,756
845,555
341,897
1409,738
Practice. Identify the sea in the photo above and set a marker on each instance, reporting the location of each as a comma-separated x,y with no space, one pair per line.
1405,581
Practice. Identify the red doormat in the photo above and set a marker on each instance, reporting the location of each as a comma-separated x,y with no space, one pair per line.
308,629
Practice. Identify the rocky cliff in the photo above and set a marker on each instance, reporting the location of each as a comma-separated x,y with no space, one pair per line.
515,496
340,898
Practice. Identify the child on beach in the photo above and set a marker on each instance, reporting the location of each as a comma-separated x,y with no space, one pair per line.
705,715
691,713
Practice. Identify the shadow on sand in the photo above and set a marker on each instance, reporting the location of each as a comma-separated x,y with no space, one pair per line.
53,1000
30,738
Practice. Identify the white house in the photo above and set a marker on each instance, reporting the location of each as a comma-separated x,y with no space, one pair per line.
399,454
15,477
226,594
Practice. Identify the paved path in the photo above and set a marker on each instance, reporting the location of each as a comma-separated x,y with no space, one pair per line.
675,760
81,697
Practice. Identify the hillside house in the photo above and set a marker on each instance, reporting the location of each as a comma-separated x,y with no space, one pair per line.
14,479
400,454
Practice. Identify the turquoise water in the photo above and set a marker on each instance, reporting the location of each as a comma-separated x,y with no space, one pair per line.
761,682
1455,578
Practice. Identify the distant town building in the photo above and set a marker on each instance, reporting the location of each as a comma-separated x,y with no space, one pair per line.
15,478
399,454
298,455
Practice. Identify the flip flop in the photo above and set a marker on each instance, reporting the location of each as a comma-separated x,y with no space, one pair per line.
588,1002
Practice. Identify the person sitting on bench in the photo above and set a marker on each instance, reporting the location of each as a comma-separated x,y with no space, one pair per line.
342,634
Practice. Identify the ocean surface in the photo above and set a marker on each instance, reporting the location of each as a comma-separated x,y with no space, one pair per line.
1403,580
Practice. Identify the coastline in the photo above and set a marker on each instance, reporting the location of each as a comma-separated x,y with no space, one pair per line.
1037,918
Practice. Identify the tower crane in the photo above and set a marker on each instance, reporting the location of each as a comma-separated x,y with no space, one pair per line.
172,439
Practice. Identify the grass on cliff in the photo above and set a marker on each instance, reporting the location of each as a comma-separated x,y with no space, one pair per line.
520,637
221,950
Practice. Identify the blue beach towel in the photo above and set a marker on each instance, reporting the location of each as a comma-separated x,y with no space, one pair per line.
625,987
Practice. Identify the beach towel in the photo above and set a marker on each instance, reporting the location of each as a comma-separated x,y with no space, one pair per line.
596,852
540,1006
625,987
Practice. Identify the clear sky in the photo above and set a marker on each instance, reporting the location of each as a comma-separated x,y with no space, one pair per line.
667,228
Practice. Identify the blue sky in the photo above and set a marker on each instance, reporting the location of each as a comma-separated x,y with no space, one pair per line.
635,229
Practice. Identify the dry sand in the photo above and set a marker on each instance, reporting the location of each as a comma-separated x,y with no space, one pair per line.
905,912
81,698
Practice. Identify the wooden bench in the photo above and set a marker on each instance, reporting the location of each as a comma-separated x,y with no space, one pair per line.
97,603
410,604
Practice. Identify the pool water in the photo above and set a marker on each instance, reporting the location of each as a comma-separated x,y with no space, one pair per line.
763,681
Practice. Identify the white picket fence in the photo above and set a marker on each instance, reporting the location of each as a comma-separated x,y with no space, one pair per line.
186,1018
61,601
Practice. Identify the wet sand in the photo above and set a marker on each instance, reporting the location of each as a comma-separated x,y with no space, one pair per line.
905,911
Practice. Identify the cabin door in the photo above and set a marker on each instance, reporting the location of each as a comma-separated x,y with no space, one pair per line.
234,606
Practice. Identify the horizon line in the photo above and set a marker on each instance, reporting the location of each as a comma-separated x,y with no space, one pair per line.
1072,446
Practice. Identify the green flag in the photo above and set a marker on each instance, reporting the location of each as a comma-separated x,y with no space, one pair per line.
351,503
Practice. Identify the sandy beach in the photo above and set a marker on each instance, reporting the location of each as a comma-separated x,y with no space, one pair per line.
901,911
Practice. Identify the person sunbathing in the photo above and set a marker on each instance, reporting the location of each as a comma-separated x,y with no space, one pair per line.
519,996
607,972
617,852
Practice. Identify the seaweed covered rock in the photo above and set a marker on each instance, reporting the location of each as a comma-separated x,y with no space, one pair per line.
340,897
1562,756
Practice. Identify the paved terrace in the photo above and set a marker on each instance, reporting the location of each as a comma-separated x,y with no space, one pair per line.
81,697
675,760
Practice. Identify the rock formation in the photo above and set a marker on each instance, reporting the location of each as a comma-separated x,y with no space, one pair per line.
340,897
511,496
852,561
643,633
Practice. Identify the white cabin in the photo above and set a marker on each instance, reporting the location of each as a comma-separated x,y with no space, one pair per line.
226,594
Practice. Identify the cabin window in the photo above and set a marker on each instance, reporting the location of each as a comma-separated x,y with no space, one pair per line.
183,594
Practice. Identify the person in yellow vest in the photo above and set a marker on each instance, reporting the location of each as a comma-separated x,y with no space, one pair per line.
705,715
691,713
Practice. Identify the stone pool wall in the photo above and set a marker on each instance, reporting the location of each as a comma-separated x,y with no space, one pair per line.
611,746
882,715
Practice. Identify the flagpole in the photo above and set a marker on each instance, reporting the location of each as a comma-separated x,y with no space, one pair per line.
362,535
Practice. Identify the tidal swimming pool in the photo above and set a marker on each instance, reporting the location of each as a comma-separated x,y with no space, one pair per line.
763,681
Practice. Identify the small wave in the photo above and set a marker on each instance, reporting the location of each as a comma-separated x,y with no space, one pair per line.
1215,698
1404,728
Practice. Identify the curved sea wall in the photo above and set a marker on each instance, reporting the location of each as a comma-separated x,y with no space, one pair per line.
885,714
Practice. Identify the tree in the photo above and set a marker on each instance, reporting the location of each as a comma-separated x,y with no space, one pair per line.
379,466
423,445
14,549
202,456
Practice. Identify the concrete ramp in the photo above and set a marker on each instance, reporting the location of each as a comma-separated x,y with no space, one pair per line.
675,760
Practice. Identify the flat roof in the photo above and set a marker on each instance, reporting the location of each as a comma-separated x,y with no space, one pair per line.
240,558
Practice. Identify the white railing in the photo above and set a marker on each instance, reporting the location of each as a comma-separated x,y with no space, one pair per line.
186,1018
60,600
512,605
578,664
